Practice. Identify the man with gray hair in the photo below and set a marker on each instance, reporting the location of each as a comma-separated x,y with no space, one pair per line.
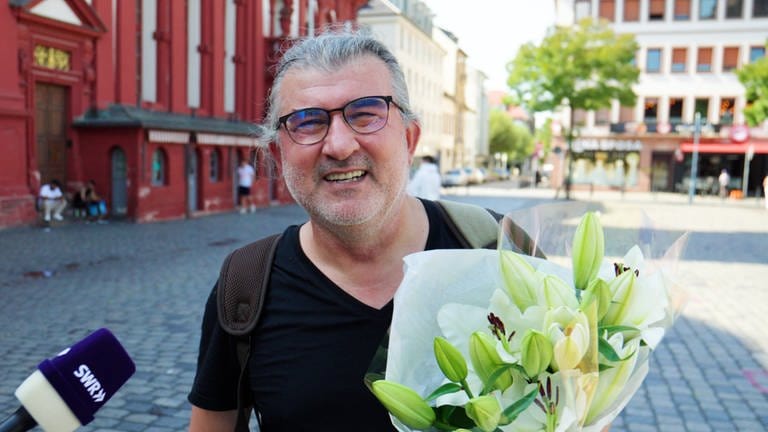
340,115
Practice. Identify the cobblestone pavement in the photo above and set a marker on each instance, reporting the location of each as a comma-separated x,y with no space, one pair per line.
148,283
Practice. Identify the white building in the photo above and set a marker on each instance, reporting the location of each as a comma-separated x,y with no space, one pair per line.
688,53
409,37
447,94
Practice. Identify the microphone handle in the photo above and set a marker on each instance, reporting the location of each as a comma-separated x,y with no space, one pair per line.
19,421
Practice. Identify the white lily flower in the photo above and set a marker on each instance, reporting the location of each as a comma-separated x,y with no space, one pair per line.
612,381
568,395
570,337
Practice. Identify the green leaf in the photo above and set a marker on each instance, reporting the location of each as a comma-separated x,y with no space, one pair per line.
444,389
608,352
511,412
604,367
490,385
611,329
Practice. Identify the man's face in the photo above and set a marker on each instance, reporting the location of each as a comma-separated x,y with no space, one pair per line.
347,178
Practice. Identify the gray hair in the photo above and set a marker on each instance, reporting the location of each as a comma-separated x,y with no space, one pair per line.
329,51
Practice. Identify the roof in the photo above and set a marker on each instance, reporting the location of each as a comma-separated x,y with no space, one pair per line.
131,116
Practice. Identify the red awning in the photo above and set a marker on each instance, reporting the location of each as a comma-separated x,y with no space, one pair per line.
740,148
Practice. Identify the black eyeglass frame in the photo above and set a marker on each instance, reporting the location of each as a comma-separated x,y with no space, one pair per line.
281,122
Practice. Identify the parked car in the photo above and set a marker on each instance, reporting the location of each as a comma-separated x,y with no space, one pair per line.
501,173
455,177
476,176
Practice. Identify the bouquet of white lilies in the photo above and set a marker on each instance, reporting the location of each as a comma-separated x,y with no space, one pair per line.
492,340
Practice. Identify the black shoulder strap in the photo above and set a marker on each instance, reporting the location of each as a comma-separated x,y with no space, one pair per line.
242,286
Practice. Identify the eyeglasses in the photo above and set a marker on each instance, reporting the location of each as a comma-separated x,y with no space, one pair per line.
365,115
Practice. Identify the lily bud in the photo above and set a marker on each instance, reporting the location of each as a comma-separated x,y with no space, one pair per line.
485,411
588,250
404,403
536,352
450,360
521,281
600,291
622,288
485,359
558,293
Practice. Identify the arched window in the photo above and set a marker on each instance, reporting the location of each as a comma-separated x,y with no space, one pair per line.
159,168
214,173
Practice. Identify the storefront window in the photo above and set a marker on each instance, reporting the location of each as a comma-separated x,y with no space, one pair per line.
606,162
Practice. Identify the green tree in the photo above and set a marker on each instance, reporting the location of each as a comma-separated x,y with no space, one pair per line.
581,67
506,136
754,77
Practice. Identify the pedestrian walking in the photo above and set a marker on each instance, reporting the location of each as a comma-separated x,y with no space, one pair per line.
724,179
245,177
426,181
765,190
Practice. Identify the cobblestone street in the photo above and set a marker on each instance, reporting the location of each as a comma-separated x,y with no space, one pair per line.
148,284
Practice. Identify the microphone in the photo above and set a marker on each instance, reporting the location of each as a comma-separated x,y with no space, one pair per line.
65,391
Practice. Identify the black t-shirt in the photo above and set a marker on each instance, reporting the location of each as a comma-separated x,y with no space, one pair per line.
310,351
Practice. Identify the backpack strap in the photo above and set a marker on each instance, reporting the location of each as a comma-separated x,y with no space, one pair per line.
474,226
477,227
241,289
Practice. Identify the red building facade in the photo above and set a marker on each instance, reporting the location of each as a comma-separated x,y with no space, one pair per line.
154,100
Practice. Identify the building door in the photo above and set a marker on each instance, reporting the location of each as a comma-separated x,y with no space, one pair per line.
119,183
661,172
192,170
51,131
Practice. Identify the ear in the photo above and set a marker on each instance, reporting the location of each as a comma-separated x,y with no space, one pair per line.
412,134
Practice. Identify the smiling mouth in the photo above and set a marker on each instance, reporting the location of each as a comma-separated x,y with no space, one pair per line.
346,176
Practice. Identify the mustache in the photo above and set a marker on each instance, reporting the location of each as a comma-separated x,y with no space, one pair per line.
356,162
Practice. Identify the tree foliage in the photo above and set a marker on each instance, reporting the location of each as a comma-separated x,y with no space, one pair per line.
507,136
585,66
754,77
582,67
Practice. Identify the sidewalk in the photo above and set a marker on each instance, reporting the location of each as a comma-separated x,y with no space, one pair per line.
711,371
148,284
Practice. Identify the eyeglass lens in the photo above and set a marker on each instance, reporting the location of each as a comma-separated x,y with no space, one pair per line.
365,115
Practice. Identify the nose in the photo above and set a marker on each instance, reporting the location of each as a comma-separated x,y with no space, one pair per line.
340,142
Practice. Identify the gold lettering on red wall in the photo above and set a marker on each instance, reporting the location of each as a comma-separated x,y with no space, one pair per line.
51,58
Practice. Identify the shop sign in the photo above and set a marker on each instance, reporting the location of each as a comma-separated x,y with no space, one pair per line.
606,144
739,133
51,58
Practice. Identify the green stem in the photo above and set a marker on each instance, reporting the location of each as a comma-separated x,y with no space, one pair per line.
465,386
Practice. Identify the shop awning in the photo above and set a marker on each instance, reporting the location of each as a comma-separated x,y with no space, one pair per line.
732,148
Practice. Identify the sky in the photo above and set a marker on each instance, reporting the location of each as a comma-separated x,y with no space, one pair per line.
490,31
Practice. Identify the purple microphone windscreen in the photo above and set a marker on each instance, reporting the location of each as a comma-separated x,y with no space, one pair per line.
88,373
